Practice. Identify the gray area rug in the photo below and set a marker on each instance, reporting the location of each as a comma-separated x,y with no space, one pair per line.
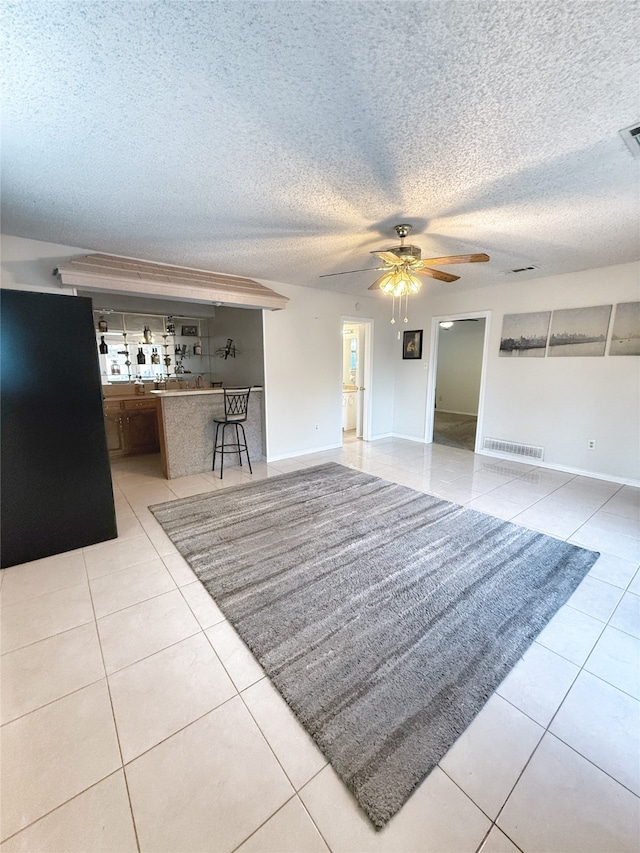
385,617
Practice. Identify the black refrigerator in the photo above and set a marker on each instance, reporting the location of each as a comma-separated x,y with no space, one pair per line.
56,493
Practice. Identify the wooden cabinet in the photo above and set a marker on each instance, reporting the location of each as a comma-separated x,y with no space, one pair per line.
131,426
114,428
141,426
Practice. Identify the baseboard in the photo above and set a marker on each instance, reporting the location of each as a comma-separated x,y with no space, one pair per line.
303,452
452,412
579,472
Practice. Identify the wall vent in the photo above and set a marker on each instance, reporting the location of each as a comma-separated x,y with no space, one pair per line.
513,448
631,137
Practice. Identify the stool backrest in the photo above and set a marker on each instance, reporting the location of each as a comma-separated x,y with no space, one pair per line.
236,402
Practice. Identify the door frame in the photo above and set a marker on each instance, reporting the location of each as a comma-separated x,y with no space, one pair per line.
364,397
433,371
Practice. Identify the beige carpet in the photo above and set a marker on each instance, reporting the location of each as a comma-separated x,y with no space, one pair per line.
455,430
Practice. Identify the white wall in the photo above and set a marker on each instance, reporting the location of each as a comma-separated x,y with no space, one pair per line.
29,264
302,350
303,369
244,327
557,403
460,367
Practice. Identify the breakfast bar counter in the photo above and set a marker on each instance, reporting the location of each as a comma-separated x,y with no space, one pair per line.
185,421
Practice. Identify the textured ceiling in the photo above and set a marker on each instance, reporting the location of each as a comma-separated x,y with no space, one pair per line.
283,140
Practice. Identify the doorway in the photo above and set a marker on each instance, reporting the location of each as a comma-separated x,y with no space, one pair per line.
456,381
356,379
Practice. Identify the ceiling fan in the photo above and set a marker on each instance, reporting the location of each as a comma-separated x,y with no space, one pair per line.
402,265
407,258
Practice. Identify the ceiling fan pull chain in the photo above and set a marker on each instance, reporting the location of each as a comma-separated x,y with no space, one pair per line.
393,310
406,308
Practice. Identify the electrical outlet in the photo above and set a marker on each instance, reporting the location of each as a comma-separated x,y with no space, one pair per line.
591,444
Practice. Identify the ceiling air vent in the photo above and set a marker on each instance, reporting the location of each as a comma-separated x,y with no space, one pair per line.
631,137
520,269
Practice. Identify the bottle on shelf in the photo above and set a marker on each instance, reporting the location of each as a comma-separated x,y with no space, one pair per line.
102,325
147,334
155,356
197,348
115,368
104,349
141,356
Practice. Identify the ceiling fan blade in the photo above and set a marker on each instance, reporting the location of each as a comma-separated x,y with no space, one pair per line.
388,257
457,259
441,276
376,284
347,272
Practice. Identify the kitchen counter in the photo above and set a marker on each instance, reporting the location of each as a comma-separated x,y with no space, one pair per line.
187,429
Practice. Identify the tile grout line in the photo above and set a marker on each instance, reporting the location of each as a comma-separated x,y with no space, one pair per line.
547,730
113,716
295,789
61,805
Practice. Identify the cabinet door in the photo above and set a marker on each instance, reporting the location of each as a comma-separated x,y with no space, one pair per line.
141,429
114,428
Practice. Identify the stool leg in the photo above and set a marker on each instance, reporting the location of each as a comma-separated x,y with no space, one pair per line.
215,447
238,445
246,448
224,426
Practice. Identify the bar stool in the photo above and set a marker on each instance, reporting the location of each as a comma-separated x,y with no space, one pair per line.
236,403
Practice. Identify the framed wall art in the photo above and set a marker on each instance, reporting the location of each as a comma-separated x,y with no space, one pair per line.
579,331
412,344
626,329
525,335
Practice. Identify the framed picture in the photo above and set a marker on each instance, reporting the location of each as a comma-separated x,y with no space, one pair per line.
579,331
525,335
412,344
626,330
190,331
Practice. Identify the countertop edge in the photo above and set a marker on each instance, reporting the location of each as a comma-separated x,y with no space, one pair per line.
193,391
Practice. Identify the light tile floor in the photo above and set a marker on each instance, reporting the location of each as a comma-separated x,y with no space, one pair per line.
134,718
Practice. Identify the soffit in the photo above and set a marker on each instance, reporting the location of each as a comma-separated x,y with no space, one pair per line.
111,273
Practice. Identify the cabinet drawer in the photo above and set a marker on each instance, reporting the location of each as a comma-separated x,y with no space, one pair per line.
149,405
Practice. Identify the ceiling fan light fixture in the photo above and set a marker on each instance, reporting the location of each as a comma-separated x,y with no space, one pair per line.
402,265
389,282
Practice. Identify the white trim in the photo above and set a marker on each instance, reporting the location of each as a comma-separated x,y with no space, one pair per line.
408,437
579,472
308,452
